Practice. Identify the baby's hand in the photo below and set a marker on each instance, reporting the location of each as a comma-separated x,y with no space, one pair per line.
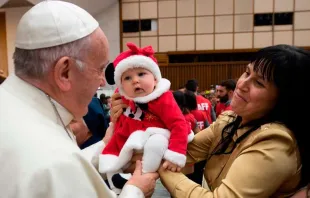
167,165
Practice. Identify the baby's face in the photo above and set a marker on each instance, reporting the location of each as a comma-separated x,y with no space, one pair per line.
138,82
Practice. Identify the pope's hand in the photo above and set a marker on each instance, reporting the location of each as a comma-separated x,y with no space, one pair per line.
146,182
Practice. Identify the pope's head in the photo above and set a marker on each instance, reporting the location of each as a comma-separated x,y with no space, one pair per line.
61,50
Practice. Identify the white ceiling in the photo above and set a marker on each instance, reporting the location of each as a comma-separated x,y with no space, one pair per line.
92,6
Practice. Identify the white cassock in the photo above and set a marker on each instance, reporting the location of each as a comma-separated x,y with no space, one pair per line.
38,158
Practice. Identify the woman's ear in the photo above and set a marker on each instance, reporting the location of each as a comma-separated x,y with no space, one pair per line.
62,71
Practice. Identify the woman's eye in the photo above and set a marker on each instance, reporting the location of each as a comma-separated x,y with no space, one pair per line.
259,84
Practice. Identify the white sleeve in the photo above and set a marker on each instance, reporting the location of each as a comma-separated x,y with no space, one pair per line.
130,191
92,153
63,177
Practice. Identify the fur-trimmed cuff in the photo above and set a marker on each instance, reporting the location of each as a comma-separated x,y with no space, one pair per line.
157,130
190,137
108,163
176,158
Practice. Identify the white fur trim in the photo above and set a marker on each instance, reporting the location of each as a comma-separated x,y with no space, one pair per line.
141,61
156,130
190,137
176,158
136,141
162,86
135,61
107,162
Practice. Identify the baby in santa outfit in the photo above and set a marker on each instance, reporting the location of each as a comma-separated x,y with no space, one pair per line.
152,122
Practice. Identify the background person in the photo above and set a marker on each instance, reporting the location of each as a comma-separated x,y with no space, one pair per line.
224,92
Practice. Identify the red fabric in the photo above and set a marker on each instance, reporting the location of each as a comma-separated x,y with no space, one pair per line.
135,50
162,112
201,118
203,104
190,119
221,107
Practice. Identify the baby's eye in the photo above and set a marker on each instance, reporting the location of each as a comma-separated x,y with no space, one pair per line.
127,78
141,74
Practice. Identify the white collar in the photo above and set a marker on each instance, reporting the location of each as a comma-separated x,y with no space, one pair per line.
36,99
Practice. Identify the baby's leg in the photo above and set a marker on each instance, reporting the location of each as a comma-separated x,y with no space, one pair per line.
154,150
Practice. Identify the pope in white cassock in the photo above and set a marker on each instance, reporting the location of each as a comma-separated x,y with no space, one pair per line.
59,60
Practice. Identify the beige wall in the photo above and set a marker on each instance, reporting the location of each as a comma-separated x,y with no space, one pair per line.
186,25
13,16
109,22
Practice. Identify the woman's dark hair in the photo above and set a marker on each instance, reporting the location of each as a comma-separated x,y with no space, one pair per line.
190,100
180,99
288,67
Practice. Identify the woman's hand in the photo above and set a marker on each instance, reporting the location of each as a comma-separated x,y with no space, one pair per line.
167,165
117,107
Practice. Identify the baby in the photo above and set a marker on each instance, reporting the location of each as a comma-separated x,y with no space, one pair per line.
152,123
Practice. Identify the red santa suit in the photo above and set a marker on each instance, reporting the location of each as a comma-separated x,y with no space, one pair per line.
153,123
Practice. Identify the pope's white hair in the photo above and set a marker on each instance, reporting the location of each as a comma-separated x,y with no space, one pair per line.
37,63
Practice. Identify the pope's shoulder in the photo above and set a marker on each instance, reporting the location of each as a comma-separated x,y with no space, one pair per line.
31,140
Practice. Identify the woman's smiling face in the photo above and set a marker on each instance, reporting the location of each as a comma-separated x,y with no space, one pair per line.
254,97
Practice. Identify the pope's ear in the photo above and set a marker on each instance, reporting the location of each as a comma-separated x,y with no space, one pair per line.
62,73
